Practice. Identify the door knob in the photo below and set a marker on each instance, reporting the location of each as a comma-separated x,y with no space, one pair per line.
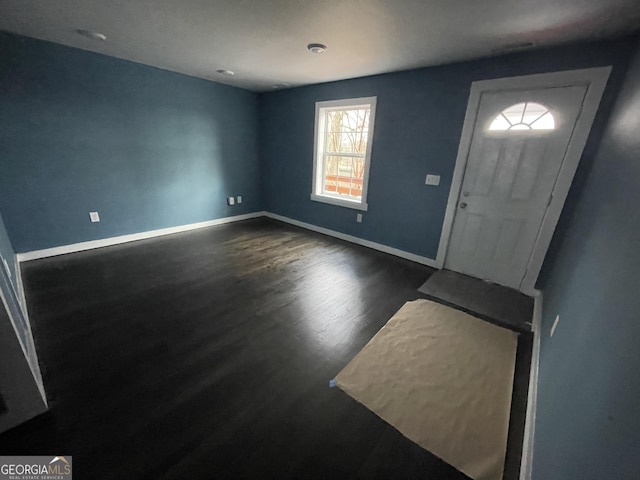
463,204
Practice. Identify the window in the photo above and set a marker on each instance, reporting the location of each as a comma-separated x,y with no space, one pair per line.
342,154
524,116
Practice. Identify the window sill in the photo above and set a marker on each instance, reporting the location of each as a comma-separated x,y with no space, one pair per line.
339,202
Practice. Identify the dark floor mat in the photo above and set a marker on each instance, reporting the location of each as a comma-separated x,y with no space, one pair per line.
495,303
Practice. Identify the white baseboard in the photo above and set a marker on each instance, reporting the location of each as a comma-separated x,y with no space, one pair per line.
33,355
107,242
359,241
28,348
21,297
34,363
526,464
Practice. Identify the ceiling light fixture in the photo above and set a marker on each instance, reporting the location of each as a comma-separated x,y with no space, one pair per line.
226,73
317,48
278,86
92,35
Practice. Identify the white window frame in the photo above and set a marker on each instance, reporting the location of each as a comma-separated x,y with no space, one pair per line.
318,151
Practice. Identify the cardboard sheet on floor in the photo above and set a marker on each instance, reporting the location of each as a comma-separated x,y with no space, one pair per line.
444,379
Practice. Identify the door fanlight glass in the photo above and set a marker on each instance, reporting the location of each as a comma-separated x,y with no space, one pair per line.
524,116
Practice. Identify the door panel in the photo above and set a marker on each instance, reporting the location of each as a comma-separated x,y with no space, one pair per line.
507,184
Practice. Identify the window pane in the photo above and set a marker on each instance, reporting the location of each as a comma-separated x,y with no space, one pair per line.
514,113
533,112
343,176
500,123
347,131
524,116
333,142
545,122
341,151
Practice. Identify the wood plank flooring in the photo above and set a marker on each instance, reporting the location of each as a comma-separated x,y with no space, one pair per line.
208,354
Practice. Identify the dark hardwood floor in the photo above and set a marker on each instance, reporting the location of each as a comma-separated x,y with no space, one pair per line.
208,354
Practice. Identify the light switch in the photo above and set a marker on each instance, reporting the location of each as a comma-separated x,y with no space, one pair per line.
239,199
432,180
94,216
231,201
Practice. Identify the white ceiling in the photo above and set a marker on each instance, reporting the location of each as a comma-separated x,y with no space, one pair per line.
264,41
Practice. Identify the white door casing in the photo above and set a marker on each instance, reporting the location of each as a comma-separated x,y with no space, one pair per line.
514,183
507,185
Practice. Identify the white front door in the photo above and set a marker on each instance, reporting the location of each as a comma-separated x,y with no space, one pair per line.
520,139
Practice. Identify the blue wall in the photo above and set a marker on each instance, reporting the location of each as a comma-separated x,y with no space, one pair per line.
145,147
151,149
418,124
588,417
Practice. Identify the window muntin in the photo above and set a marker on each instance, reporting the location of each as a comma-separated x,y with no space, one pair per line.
344,129
524,116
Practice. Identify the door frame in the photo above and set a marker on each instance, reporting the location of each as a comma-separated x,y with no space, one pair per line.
595,79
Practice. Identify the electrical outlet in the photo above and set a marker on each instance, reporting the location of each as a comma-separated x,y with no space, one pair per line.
231,201
359,218
239,199
432,180
94,216
555,325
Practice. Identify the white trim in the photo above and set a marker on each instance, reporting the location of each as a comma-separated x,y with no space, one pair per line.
595,79
359,241
318,150
340,202
32,355
33,360
10,279
28,350
526,463
106,242
458,174
597,82
21,297
13,320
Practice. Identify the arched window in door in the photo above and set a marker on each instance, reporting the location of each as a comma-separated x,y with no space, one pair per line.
524,116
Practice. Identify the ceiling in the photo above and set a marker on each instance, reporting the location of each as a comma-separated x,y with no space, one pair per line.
265,41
